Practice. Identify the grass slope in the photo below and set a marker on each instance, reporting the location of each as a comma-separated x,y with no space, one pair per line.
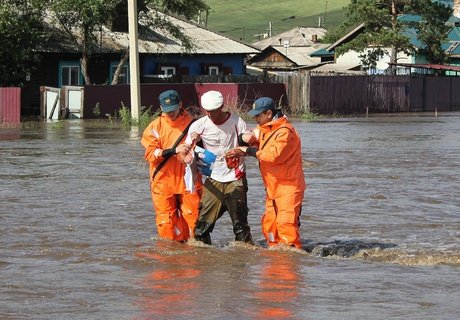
244,19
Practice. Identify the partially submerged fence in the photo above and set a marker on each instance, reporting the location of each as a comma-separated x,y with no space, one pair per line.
296,93
10,105
98,101
361,94
59,103
236,95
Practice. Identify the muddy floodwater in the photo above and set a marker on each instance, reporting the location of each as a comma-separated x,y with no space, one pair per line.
380,228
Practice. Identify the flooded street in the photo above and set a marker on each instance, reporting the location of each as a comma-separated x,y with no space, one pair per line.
380,228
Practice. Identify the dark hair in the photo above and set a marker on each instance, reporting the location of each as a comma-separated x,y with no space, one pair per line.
276,112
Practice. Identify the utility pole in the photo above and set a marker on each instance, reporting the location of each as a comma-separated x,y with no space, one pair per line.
133,60
325,12
394,23
269,29
286,46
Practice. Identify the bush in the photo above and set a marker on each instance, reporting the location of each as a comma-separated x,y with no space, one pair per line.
145,117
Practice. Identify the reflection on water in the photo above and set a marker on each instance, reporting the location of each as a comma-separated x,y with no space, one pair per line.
171,283
278,286
380,229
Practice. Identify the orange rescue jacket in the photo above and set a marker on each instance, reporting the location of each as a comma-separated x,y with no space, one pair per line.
159,135
280,158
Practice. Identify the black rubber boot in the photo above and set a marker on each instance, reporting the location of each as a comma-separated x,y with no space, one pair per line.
242,233
202,232
205,238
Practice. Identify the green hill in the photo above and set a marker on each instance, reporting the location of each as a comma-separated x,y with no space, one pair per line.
245,20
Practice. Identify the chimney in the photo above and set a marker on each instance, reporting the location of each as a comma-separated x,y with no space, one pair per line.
456,8
314,38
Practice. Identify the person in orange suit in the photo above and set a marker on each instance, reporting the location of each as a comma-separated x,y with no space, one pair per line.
277,146
176,208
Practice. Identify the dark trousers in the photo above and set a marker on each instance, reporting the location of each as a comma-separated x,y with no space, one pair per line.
217,198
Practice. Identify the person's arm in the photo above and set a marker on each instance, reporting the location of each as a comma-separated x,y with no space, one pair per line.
242,151
150,141
168,153
279,149
246,139
252,151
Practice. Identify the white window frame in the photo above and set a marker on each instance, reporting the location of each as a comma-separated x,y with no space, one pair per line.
213,70
67,67
124,76
168,70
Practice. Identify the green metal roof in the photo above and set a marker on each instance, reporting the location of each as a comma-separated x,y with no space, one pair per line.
454,34
409,18
322,53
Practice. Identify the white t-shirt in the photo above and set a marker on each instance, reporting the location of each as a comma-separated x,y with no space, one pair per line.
218,139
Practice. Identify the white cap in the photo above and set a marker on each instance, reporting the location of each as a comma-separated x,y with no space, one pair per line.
212,100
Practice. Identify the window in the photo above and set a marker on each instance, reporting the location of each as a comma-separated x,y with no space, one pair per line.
168,70
124,75
70,74
213,70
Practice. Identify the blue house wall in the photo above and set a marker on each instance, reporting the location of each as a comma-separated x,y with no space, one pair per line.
194,62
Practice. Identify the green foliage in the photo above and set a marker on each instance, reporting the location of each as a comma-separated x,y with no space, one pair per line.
81,20
125,115
145,117
85,17
432,31
186,8
383,30
58,124
21,31
97,110
308,115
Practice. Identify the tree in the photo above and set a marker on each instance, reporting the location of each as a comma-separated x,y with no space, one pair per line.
383,30
83,19
21,31
432,29
149,14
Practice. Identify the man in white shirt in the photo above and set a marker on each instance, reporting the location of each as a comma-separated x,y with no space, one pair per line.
226,188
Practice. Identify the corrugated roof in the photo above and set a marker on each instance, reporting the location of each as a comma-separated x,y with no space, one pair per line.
323,52
298,36
428,66
159,41
454,34
335,68
300,55
409,18
454,49
346,37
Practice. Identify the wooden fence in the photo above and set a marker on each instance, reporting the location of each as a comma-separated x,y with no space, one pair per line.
375,94
10,105
81,102
297,94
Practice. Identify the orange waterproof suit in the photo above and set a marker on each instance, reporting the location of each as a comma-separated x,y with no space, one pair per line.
280,162
176,208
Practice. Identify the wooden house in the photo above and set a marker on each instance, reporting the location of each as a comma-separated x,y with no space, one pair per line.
351,61
288,51
161,58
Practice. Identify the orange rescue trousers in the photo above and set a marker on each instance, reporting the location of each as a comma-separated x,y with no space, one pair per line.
281,220
176,214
